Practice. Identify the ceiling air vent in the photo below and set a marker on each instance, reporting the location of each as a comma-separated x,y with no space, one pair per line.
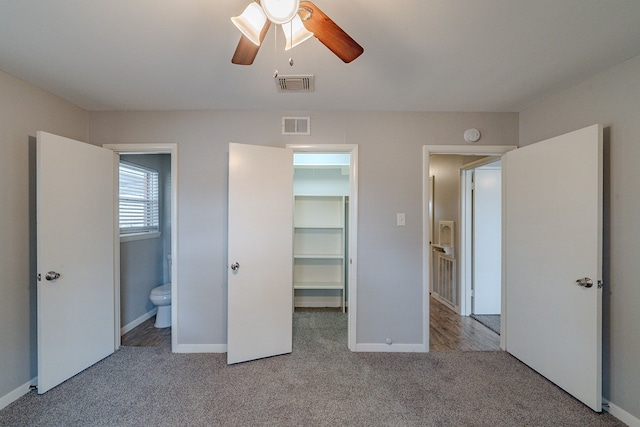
296,125
295,83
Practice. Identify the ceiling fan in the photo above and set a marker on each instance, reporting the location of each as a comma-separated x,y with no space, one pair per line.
299,20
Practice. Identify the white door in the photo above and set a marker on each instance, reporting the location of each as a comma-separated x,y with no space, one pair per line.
260,251
553,237
487,241
75,238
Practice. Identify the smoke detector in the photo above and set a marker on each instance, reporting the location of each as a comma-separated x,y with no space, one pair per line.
302,83
472,135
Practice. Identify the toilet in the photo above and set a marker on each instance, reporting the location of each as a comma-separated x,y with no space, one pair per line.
161,296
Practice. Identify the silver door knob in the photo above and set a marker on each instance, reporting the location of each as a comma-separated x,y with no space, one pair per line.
585,282
52,275
235,266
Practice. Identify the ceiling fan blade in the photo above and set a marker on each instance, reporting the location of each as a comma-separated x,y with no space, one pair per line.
328,32
246,51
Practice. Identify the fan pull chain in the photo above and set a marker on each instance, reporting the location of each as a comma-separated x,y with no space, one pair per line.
291,38
275,51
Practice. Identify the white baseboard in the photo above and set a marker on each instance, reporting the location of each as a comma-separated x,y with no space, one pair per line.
391,348
623,415
16,394
201,348
126,328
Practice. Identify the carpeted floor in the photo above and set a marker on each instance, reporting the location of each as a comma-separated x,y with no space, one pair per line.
321,383
491,321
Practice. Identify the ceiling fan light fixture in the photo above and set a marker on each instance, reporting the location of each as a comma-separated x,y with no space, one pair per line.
280,11
295,32
251,22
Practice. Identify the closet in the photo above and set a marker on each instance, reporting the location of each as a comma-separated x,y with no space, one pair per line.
321,188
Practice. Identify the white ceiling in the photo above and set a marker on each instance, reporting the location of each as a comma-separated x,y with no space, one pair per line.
419,55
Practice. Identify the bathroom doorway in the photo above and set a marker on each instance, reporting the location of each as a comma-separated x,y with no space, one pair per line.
148,256
145,249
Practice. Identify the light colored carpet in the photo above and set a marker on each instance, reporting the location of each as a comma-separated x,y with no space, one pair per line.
321,383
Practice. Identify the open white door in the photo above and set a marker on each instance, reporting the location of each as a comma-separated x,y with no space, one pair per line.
260,250
75,238
553,238
487,229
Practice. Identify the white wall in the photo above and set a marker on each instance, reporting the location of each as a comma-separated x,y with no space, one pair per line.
613,99
390,174
24,109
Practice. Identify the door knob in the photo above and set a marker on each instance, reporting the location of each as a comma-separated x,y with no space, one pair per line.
585,282
52,275
235,266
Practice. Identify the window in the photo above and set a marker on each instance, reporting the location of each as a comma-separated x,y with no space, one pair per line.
139,203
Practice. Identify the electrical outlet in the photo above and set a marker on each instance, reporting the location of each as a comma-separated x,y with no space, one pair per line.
401,219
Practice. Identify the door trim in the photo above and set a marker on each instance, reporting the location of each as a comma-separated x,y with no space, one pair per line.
352,149
151,148
428,150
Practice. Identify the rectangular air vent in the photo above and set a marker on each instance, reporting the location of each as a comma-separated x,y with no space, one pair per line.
295,83
296,126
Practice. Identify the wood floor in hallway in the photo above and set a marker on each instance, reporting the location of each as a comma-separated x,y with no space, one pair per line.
448,331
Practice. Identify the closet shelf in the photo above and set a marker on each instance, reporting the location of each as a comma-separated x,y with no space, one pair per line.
319,244
318,227
318,256
318,285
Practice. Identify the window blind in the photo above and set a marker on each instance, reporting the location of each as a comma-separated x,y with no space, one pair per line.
139,199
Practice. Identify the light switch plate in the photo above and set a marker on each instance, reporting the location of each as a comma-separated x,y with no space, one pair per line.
401,219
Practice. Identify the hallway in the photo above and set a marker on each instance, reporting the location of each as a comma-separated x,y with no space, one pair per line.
448,331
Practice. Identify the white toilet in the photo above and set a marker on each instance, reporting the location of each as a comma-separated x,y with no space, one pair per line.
161,296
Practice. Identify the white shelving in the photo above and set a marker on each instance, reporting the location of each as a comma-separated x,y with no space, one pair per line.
318,243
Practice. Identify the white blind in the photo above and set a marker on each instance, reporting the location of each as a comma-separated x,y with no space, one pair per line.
139,204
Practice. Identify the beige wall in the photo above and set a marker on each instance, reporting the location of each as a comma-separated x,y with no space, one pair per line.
613,99
390,181
24,110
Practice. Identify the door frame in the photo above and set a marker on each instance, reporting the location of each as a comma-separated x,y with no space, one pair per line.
427,151
466,233
352,299
151,148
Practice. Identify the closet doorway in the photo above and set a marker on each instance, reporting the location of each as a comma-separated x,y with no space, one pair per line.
325,229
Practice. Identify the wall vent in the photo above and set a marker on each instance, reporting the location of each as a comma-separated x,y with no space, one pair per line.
302,83
296,125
